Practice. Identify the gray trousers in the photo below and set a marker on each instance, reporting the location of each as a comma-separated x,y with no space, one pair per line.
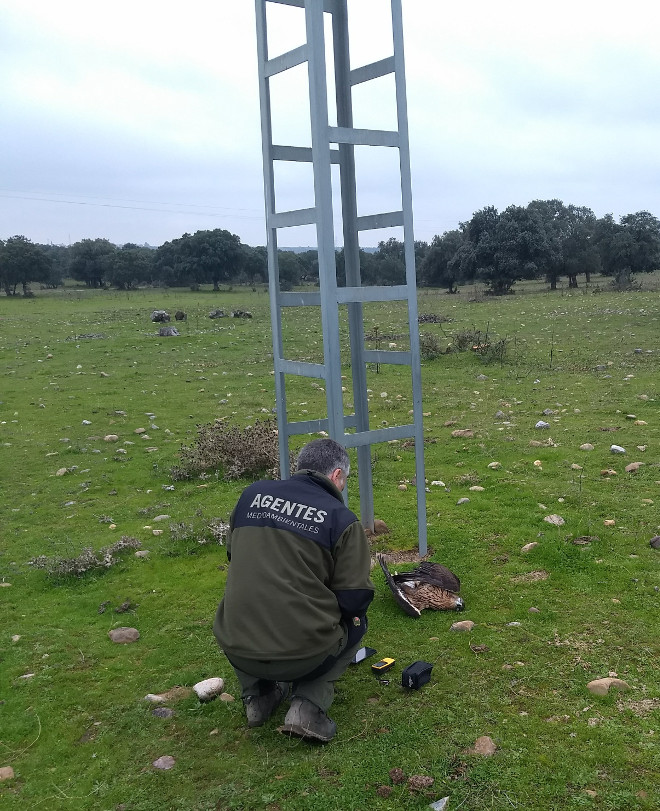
257,678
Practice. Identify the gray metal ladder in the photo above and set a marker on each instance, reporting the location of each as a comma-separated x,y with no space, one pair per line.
335,145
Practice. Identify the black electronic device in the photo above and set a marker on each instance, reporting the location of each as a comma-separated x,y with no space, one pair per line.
416,675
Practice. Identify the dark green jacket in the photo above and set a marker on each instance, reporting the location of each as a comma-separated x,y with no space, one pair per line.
299,571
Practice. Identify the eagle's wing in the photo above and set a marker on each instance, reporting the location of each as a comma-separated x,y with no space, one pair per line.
399,596
435,574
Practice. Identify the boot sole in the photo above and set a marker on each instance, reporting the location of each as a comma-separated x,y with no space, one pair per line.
299,731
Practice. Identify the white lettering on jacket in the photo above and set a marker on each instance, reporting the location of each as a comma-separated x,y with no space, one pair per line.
289,508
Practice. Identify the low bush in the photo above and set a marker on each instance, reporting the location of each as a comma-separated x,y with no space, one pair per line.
86,561
234,452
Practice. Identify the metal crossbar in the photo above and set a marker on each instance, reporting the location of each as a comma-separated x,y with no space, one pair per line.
336,145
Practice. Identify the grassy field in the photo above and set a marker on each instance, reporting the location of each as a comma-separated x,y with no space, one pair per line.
76,366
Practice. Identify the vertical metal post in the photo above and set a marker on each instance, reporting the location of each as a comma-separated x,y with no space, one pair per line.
352,255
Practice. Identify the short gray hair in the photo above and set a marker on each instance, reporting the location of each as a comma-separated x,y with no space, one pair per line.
323,456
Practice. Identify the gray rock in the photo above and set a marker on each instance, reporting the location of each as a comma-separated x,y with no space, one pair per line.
123,636
655,542
217,314
164,763
160,316
463,501
163,712
617,449
542,424
180,315
168,332
500,415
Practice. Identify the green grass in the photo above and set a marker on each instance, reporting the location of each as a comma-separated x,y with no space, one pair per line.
78,733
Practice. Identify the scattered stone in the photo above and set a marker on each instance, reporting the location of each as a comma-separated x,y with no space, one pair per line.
640,422
654,543
168,332
380,527
631,416
103,606
123,636
495,465
418,782
463,625
440,805
609,522
15,637
160,316
586,447
601,687
179,315
576,467
397,776
449,423
163,712
110,438
528,546
617,449
161,517
464,433
153,698
403,487
608,472
208,689
633,467
157,531
555,520
463,500
538,463
481,377
483,746
533,610
86,422
164,763
217,314
61,472
647,501
142,553
226,697
437,483
542,424
27,676
583,540
6,773
476,488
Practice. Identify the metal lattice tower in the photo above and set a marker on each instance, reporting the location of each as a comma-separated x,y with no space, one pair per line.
336,145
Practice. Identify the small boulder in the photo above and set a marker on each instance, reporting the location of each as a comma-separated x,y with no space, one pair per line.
463,433
586,447
110,438
601,687
6,773
484,746
208,689
529,546
463,625
123,636
542,424
617,449
168,332
179,315
164,763
555,520
633,467
160,316
654,543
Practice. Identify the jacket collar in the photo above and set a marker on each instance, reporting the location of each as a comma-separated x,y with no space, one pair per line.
323,481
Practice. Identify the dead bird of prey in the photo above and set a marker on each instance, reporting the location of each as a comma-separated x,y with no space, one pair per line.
430,585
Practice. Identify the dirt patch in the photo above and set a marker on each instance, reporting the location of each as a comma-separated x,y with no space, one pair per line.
531,577
639,708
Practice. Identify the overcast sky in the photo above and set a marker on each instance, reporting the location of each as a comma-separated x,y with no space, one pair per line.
139,121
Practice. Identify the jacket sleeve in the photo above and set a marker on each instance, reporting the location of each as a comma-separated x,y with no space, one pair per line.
350,580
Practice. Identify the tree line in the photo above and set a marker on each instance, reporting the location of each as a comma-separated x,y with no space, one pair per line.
543,240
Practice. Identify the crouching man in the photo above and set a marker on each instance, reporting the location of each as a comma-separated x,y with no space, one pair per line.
298,588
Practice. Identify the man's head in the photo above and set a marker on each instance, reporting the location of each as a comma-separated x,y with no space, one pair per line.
327,457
